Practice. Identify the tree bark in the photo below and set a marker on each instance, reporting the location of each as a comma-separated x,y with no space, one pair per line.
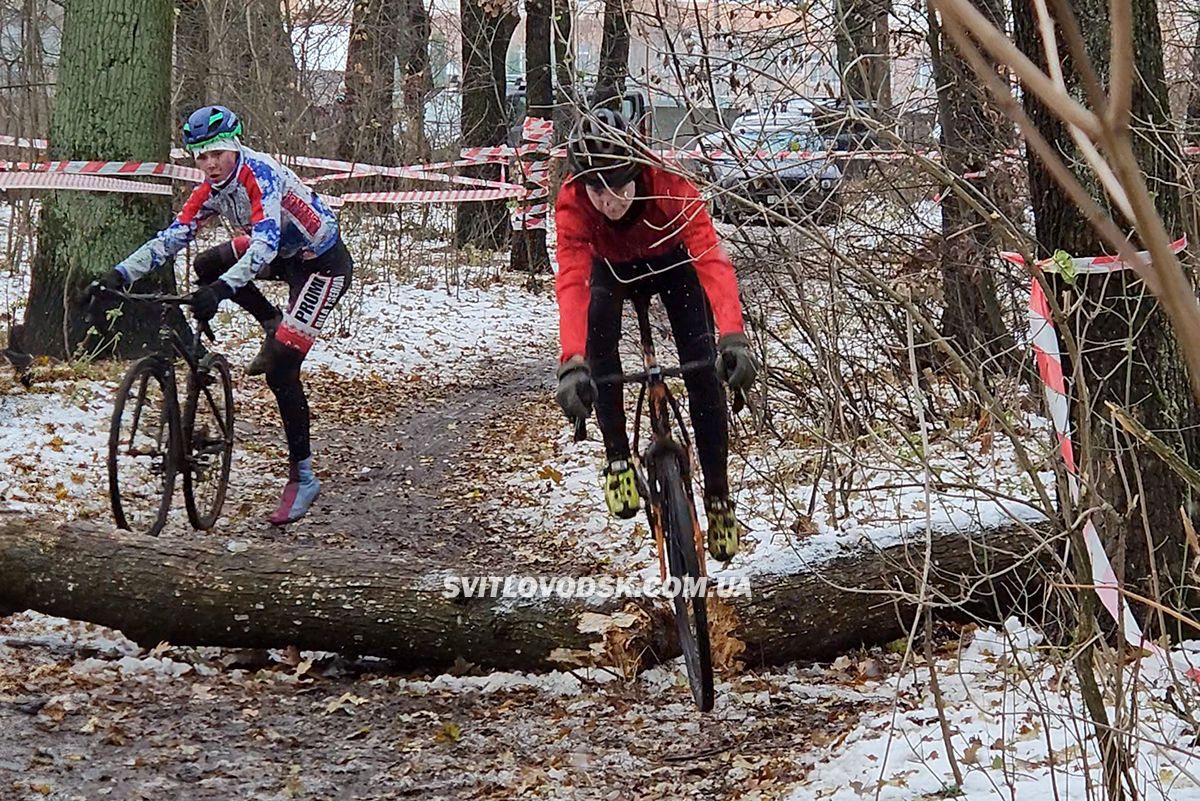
191,59
614,52
418,80
196,592
1191,119
561,23
529,244
974,132
486,32
863,50
113,102
1129,354
368,129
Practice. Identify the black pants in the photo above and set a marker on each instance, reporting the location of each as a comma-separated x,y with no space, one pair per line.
674,280
314,288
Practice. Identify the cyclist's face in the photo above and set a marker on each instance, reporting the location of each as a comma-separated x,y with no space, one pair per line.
612,202
217,164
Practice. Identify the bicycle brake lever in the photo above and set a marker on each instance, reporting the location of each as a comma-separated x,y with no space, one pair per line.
206,331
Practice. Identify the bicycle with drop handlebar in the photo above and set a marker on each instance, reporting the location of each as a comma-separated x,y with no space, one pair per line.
663,474
152,439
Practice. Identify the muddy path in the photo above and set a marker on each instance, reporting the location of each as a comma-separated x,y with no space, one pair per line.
408,473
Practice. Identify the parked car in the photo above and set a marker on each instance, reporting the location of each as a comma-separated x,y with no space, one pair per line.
763,172
848,129
635,105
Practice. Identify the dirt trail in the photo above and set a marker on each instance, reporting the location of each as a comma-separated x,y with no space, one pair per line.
408,481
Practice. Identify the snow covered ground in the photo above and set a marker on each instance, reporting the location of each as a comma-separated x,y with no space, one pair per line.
1018,729
450,323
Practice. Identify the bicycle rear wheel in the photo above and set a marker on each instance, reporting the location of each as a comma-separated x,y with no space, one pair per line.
208,438
691,607
143,447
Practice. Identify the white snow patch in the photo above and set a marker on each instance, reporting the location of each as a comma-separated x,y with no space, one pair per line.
1019,733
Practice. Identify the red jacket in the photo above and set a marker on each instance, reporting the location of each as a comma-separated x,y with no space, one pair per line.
673,214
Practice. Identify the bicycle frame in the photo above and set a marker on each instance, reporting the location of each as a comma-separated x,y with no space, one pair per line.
655,396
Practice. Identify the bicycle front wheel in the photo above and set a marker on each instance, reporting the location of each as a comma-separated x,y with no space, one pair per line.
691,606
144,447
208,437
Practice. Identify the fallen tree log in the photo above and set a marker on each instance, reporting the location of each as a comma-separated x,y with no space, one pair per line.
198,592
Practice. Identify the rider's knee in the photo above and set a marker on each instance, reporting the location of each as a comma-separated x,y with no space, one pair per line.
211,263
284,366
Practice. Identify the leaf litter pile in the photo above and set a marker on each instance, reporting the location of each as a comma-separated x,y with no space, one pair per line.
87,714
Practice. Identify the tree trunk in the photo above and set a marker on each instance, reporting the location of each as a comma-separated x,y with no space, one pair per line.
113,102
368,130
614,52
26,105
486,33
1130,357
529,244
974,132
191,59
561,23
253,71
1191,120
196,592
418,81
863,50
1191,136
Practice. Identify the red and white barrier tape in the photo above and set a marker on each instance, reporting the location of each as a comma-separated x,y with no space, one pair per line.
1046,350
434,196
536,135
89,183
1089,264
124,168
15,141
361,171
419,172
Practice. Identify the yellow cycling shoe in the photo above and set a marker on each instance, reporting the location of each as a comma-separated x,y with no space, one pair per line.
620,489
724,534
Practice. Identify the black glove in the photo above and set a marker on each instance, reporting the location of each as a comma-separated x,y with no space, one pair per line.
576,392
113,279
736,365
207,298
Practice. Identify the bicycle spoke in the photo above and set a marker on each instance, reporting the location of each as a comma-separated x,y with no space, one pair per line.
141,453
209,425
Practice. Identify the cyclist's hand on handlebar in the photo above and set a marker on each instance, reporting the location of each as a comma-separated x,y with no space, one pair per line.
207,298
576,390
736,365
113,279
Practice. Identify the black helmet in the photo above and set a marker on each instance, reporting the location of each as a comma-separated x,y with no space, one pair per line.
602,149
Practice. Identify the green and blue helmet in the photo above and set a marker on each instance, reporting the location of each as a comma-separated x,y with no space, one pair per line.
209,125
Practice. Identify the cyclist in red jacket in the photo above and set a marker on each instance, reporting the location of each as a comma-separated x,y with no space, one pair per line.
626,227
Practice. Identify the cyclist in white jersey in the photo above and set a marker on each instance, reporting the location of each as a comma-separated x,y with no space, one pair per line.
290,235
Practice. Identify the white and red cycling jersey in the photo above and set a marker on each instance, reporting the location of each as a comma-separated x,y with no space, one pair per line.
283,217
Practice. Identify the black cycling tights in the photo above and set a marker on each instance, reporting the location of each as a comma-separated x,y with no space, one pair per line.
314,288
674,280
